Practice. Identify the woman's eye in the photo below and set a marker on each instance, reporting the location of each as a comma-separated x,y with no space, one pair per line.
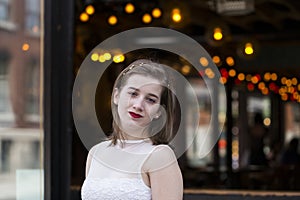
152,101
133,94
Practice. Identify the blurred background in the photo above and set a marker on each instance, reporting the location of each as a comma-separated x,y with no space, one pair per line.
255,45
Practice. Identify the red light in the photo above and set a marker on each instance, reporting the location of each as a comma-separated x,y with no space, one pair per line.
237,81
250,86
224,73
222,143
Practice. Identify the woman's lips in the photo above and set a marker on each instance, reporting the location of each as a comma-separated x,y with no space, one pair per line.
135,115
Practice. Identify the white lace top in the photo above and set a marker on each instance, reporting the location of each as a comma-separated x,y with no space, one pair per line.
115,171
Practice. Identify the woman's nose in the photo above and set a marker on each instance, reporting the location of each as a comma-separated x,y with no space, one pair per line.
138,104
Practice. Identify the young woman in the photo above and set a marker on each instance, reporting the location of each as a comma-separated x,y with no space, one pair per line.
136,162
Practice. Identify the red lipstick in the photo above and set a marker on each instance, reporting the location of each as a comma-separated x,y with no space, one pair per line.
135,115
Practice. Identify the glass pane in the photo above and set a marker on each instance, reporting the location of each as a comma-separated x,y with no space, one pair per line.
4,9
21,132
32,18
292,121
197,153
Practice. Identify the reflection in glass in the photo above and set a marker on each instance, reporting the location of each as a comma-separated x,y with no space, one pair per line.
20,100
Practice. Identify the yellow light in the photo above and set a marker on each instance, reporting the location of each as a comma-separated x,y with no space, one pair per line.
282,90
283,80
118,58
94,57
284,97
235,143
25,47
299,87
102,59
203,61
84,17
265,91
230,61
248,77
176,16
90,10
218,34
241,76
288,82
294,81
290,89
267,76
295,95
232,72
261,85
254,80
267,121
107,56
209,73
129,8
216,59
248,48
156,12
112,20
147,18
186,69
223,80
274,77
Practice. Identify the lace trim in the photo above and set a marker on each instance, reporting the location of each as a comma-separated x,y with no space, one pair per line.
115,189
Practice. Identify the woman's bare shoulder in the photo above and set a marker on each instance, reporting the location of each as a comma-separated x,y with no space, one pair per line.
162,156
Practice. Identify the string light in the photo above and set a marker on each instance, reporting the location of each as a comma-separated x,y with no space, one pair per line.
223,80
156,13
294,81
25,47
249,48
94,57
230,61
232,73
107,56
90,10
216,60
112,20
241,76
84,17
129,8
217,35
209,73
118,58
176,15
186,69
102,59
261,85
274,77
203,61
147,18
267,76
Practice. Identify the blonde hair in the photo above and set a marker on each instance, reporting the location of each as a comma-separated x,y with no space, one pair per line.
159,72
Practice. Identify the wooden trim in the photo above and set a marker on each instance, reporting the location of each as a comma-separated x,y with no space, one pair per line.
242,192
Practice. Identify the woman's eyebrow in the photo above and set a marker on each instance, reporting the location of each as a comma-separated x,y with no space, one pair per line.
133,88
150,94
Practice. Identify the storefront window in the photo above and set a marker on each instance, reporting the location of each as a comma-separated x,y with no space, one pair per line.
4,10
292,121
21,132
32,18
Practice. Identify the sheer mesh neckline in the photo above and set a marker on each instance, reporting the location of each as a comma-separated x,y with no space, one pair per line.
133,141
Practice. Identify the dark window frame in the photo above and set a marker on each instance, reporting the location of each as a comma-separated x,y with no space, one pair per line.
58,83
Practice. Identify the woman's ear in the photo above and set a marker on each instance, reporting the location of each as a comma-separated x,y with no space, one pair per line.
116,96
158,114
